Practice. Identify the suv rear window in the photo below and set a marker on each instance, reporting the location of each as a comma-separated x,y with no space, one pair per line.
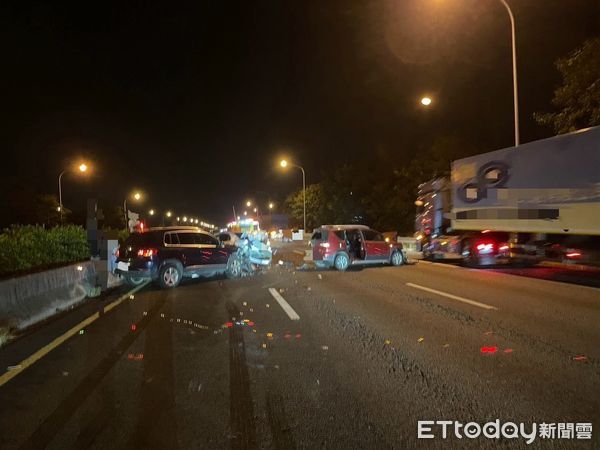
320,235
171,239
340,234
187,238
143,239
372,235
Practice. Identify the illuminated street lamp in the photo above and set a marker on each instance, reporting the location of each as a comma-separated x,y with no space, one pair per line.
169,214
185,219
137,196
271,205
81,168
283,163
151,212
248,203
426,101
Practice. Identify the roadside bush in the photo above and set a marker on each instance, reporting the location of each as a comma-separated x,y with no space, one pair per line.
24,248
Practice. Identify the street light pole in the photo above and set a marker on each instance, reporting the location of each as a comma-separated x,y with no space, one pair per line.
284,164
60,205
303,196
125,209
514,64
82,168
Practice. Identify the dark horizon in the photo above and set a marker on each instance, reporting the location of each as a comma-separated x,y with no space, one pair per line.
194,104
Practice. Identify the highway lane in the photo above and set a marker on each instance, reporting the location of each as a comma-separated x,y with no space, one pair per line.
220,364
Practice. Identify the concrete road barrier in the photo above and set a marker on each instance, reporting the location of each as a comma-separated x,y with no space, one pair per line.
29,299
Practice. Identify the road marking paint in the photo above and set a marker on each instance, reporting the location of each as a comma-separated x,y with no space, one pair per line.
32,359
451,296
284,305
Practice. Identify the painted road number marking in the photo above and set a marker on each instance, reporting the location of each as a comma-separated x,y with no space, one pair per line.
451,296
284,305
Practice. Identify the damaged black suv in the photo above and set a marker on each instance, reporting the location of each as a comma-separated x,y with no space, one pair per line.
166,255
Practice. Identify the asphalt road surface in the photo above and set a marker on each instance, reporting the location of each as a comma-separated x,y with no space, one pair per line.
346,360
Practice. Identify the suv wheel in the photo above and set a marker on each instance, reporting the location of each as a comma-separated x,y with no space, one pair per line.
169,276
341,262
134,281
397,258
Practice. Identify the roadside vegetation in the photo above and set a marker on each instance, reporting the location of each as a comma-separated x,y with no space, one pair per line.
31,248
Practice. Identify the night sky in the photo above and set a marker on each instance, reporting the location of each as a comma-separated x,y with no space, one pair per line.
192,102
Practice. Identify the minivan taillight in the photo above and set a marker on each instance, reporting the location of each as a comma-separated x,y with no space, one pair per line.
147,252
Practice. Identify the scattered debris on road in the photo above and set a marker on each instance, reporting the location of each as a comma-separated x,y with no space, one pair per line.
491,350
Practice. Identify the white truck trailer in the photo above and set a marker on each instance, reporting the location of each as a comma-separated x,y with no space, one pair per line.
537,201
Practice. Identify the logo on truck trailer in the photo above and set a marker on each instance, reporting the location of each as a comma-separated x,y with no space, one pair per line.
493,174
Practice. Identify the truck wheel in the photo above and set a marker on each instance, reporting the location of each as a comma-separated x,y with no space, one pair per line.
341,262
169,276
469,258
397,258
427,255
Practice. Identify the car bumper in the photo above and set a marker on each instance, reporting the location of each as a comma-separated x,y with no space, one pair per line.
132,269
135,273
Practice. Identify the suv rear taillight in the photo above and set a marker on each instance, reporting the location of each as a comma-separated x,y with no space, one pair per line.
147,252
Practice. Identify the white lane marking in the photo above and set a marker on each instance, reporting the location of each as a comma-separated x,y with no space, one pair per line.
284,305
32,359
453,297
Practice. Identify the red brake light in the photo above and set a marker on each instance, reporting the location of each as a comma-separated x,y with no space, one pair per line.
503,248
324,244
147,252
573,255
117,253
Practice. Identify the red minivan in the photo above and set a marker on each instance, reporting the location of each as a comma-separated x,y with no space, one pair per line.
342,246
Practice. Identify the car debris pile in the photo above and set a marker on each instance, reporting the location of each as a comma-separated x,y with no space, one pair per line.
253,255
